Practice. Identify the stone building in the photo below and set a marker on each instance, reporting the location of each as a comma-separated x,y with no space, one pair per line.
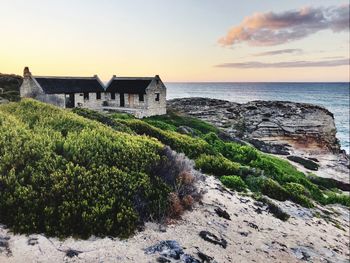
141,97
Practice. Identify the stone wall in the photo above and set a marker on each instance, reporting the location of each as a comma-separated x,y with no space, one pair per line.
140,109
155,107
29,89
91,103
149,107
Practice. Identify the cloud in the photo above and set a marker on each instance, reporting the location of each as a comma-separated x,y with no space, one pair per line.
268,29
278,52
286,64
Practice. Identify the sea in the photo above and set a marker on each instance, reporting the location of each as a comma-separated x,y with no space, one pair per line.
333,96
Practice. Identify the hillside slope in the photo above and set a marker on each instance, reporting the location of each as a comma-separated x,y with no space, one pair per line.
65,175
9,86
82,173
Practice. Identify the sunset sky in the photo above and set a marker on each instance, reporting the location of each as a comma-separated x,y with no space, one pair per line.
182,40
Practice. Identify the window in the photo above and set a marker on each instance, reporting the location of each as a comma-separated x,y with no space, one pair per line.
113,95
157,96
86,96
98,95
141,97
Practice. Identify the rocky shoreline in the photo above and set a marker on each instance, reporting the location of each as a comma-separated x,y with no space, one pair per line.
302,130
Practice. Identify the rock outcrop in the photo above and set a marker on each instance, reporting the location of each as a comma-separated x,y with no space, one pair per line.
300,125
305,131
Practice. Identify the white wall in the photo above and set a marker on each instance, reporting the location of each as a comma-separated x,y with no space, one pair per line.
91,103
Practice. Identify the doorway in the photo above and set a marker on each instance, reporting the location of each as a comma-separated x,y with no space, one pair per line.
70,100
131,100
122,100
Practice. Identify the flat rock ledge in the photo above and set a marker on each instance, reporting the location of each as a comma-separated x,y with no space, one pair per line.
303,125
276,127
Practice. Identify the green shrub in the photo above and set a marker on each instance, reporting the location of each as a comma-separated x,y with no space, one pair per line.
328,183
296,189
176,120
62,174
299,194
273,208
334,198
122,116
267,186
161,125
234,182
216,165
239,153
102,118
192,147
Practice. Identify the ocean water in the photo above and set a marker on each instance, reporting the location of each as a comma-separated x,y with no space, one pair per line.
333,96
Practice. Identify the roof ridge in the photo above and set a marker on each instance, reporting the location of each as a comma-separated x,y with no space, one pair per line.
65,77
133,78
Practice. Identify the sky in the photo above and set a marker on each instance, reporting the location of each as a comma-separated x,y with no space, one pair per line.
182,40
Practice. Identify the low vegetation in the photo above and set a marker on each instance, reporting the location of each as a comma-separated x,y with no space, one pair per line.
262,173
234,182
62,174
85,173
9,86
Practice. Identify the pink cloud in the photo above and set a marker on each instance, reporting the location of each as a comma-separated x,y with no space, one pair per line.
287,64
267,29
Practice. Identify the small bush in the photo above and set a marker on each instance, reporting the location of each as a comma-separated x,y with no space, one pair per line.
267,186
296,189
176,120
216,165
161,125
240,153
273,208
334,198
299,194
192,147
102,118
122,116
234,183
328,183
187,201
176,170
175,209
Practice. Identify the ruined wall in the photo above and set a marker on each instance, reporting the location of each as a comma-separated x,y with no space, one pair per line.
29,89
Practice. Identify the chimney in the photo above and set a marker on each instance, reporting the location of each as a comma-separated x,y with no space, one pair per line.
26,73
157,78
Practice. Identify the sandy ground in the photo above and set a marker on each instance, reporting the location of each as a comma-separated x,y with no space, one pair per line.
252,235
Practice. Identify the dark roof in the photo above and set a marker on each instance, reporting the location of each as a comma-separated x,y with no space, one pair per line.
129,85
56,85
